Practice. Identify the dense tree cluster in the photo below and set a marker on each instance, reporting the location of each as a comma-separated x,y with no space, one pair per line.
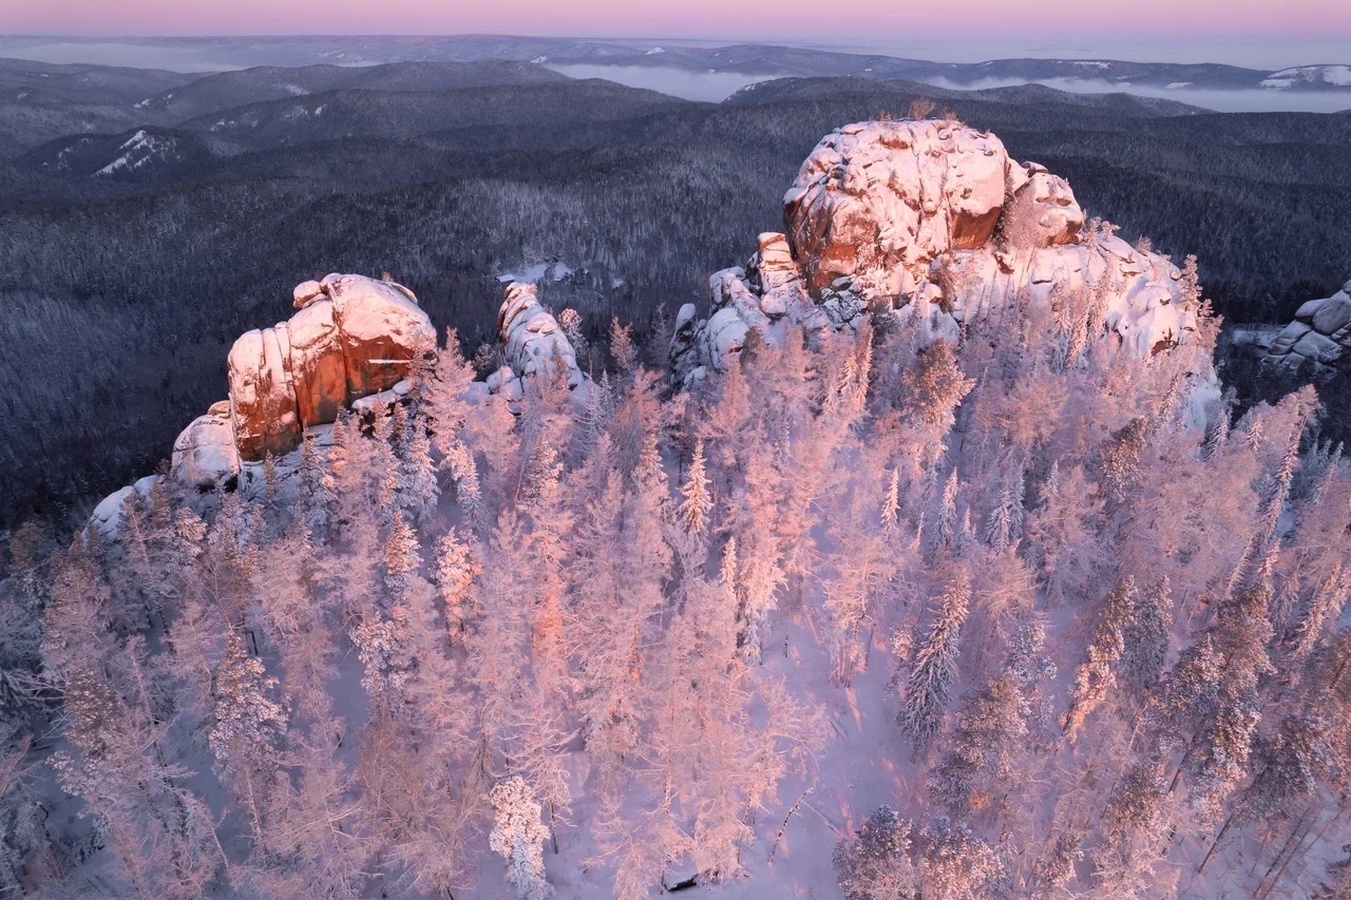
470,640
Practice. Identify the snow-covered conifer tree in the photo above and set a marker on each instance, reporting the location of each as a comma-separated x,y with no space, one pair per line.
929,687
696,503
1096,675
249,727
518,836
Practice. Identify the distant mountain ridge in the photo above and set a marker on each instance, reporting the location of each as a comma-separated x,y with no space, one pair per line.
225,90
752,59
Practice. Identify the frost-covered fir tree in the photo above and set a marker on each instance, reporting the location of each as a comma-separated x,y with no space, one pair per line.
696,503
518,836
1096,675
929,687
249,728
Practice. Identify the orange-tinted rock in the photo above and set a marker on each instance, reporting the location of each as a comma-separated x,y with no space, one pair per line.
318,368
382,329
262,400
305,292
876,202
352,337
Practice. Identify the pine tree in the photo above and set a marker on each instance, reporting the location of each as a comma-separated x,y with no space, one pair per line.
1096,675
160,831
316,487
947,513
1132,829
419,473
447,409
1146,637
1056,870
1120,460
929,686
878,863
75,621
456,569
891,502
1218,756
249,727
990,733
696,502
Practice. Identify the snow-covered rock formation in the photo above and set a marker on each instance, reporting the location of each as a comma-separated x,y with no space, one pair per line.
533,343
934,221
107,516
352,337
1319,337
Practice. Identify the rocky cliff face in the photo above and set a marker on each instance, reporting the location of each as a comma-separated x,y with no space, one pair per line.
933,221
351,337
1319,338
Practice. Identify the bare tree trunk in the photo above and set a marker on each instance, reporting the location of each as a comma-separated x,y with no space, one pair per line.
784,827
1215,846
1278,864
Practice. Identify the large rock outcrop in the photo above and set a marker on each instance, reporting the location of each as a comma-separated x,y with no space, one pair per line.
876,202
534,344
351,337
1318,340
933,221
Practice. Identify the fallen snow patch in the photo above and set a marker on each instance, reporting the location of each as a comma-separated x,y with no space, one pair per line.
140,150
544,271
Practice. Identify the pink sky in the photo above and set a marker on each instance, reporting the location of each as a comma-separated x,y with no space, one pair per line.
822,22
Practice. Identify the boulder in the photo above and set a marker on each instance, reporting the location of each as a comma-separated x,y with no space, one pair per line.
1333,315
318,363
935,221
305,292
205,456
262,397
352,337
769,295
1042,213
382,329
1317,339
1318,347
107,517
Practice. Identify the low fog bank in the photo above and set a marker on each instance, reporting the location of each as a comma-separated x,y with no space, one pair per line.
1250,100
1267,51
712,87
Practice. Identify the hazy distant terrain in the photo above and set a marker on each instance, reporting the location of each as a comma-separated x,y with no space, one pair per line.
148,217
708,71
